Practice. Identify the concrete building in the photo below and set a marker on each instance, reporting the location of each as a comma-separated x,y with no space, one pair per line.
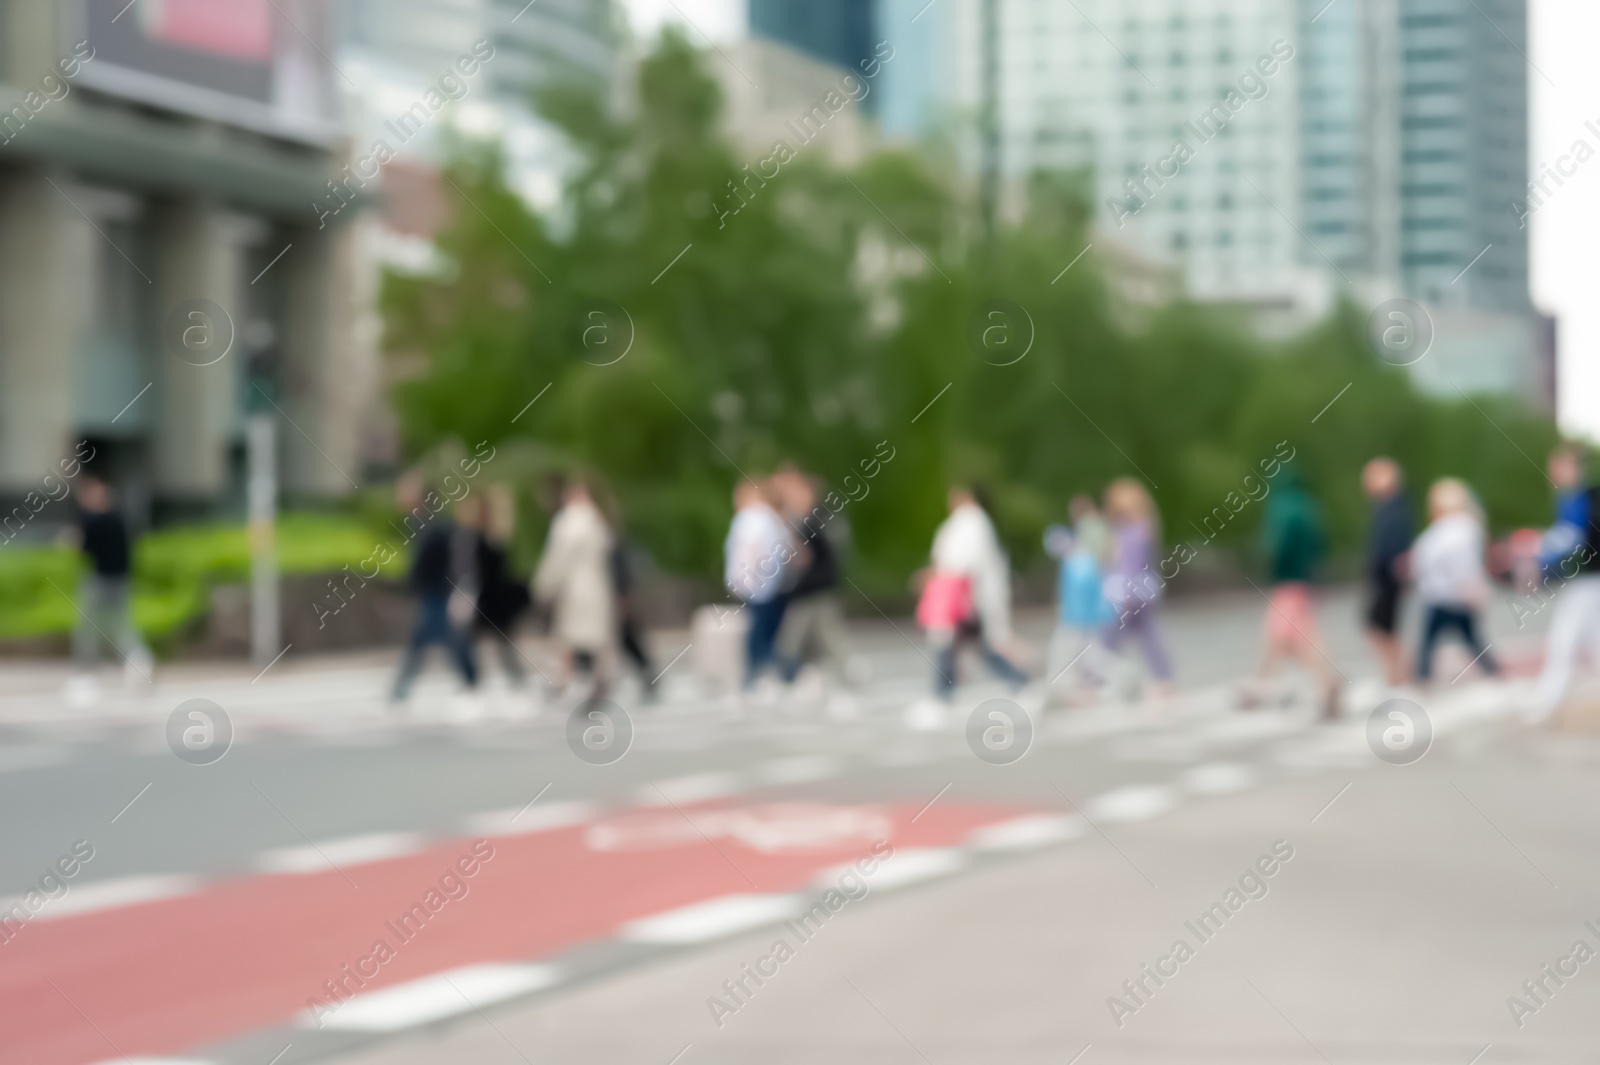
151,159
1464,121
1113,86
840,33
1380,158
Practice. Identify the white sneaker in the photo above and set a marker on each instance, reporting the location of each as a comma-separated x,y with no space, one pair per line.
926,715
138,668
466,707
82,691
809,686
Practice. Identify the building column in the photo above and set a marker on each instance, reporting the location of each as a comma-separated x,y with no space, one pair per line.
328,359
45,301
197,258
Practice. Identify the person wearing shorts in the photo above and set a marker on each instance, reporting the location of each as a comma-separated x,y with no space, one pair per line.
1295,541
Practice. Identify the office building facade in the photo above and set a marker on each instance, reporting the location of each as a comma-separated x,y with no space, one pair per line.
840,33
164,271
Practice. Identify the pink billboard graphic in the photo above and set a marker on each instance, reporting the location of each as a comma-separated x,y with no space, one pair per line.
240,29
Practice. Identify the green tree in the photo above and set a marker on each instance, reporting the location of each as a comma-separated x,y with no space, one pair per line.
812,315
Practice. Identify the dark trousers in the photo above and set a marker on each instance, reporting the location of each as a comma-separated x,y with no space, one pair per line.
433,627
510,656
947,658
765,619
632,640
1442,618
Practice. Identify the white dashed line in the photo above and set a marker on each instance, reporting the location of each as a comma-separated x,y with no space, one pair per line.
433,998
695,788
908,866
1136,802
704,921
799,770
1218,778
535,819
1026,833
342,853
123,891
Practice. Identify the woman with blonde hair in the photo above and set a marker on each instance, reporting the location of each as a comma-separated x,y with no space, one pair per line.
1133,586
1447,563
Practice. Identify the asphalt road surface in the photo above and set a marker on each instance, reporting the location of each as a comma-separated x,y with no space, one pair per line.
459,883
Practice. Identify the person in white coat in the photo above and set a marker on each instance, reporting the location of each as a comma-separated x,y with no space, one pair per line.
967,553
574,580
1447,564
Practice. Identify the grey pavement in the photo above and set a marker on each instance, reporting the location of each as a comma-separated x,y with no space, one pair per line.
1411,909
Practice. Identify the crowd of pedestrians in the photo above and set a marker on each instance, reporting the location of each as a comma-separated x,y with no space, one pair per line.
786,557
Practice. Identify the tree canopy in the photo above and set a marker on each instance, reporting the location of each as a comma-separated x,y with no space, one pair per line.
837,310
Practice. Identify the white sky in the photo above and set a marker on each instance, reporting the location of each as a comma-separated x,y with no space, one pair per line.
721,20
1563,82
1566,231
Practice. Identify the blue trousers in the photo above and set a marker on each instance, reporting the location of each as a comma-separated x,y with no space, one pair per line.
434,627
947,659
761,643
1441,618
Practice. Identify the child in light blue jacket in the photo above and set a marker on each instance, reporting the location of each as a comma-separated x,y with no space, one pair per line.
1082,609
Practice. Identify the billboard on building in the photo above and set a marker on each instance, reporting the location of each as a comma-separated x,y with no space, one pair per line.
262,64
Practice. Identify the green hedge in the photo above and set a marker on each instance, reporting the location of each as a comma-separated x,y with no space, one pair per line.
174,570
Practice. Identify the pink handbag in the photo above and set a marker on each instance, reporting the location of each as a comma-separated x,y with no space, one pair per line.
946,601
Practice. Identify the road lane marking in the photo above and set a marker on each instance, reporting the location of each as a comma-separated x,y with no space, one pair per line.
696,787
433,998
909,865
701,922
342,853
528,821
801,769
113,894
1026,833
1218,778
1134,802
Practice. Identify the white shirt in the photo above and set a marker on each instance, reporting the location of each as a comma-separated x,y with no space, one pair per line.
1447,562
757,550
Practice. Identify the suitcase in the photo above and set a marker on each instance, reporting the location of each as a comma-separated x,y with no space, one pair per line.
719,633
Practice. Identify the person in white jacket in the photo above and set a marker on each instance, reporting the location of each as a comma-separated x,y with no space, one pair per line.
1447,565
967,546
574,579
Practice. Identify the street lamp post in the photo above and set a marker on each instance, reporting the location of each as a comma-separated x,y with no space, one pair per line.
261,443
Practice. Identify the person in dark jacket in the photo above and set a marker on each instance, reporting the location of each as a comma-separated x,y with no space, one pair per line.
630,630
502,599
1295,540
813,622
104,609
442,568
1387,544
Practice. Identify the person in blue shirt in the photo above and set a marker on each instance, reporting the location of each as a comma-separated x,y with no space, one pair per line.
1572,511
1570,556
1082,608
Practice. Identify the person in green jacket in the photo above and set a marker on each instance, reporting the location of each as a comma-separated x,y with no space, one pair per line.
1295,541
